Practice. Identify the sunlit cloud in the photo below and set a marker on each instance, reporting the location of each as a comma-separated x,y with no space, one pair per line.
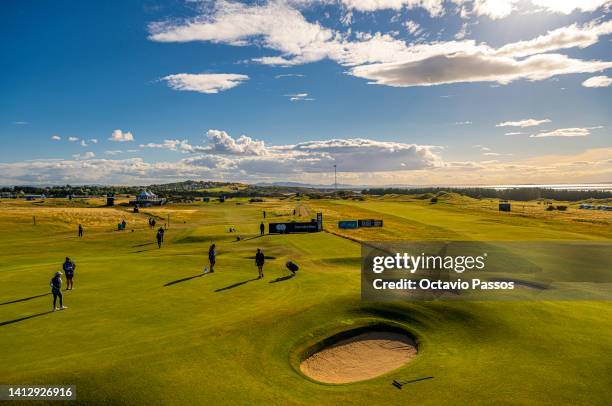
209,83
597,81
530,122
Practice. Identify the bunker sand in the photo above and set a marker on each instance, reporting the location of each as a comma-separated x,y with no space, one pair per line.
361,357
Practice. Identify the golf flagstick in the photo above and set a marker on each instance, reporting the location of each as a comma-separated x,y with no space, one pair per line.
399,384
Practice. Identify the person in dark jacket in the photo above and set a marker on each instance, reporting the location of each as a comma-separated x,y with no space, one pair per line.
160,238
69,267
212,257
262,228
259,261
80,231
56,290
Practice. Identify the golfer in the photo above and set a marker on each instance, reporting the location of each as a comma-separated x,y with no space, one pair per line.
212,257
160,238
56,289
262,228
259,261
69,268
80,231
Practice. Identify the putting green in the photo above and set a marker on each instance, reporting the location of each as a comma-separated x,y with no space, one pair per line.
144,324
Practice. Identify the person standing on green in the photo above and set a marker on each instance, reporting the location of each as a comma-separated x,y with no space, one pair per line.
259,261
212,257
56,290
262,228
69,266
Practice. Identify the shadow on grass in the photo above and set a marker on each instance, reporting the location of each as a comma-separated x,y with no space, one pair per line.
25,299
247,239
4,323
235,285
139,251
143,245
184,279
283,278
265,257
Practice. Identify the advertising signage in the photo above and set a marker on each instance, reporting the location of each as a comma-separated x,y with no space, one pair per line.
294,227
370,223
353,224
348,224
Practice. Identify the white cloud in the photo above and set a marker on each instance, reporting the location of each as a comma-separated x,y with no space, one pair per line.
172,145
497,9
433,7
20,123
514,133
220,142
413,27
289,75
530,122
83,143
463,32
494,9
566,132
597,81
299,97
120,136
73,139
444,69
209,83
568,6
381,57
56,137
462,123
86,155
93,141
359,162
113,152
571,36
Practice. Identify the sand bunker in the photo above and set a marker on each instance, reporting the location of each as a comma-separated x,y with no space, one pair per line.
361,357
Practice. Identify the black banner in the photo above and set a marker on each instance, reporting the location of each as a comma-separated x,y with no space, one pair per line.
293,227
370,223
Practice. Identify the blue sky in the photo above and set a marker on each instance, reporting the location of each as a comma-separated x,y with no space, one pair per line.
392,91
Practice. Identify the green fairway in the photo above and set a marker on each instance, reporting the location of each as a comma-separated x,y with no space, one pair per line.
145,325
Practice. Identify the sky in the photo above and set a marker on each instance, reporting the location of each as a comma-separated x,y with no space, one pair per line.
392,92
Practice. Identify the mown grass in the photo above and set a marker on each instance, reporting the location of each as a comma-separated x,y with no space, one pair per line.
143,325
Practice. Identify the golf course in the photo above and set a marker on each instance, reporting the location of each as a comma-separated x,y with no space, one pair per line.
146,325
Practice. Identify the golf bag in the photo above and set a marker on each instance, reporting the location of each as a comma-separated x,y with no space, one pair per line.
292,266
